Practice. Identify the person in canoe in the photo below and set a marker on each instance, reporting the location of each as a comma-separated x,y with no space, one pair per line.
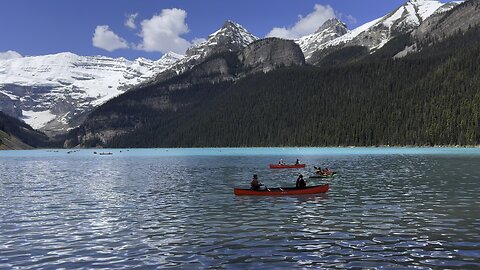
280,162
318,170
297,162
301,182
326,171
255,184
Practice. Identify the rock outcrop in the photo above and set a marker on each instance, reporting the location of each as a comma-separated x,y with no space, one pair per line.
267,54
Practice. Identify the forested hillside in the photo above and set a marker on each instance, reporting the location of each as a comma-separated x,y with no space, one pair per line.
427,98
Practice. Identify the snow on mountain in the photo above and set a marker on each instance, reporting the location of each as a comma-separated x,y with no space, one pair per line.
230,37
52,92
49,91
330,30
9,55
377,33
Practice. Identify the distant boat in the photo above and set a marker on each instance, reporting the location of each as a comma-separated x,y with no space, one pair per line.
286,166
281,191
105,153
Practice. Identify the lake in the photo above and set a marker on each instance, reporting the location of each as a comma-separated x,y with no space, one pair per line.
175,209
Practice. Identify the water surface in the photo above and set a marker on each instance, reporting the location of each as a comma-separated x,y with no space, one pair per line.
175,208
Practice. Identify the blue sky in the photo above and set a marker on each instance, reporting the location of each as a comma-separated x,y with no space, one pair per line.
33,27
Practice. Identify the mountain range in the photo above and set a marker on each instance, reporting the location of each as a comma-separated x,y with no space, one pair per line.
52,92
172,87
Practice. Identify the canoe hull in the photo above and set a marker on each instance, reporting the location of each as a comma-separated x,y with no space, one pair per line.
282,191
285,166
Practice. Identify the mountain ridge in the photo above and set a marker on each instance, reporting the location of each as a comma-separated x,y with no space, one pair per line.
376,33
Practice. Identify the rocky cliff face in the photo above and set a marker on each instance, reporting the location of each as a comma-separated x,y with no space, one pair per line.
260,56
267,54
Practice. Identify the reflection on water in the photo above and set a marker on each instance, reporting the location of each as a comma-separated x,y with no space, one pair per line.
150,211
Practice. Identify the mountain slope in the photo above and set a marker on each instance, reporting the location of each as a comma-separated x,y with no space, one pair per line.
50,91
15,134
461,18
167,99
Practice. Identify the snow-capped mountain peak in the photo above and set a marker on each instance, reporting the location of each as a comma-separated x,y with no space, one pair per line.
330,30
411,14
333,24
230,37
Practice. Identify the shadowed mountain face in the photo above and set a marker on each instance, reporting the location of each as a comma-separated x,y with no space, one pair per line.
15,134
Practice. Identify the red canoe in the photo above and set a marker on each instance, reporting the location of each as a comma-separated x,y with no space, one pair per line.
286,166
281,191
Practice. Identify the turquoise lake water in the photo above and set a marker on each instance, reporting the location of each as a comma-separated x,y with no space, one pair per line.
388,208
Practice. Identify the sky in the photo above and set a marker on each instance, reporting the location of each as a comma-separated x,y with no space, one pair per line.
150,28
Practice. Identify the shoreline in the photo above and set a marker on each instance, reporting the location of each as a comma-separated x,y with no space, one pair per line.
270,147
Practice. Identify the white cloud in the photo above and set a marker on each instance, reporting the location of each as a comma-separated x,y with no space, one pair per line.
351,19
106,39
130,22
197,41
162,33
9,55
305,25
